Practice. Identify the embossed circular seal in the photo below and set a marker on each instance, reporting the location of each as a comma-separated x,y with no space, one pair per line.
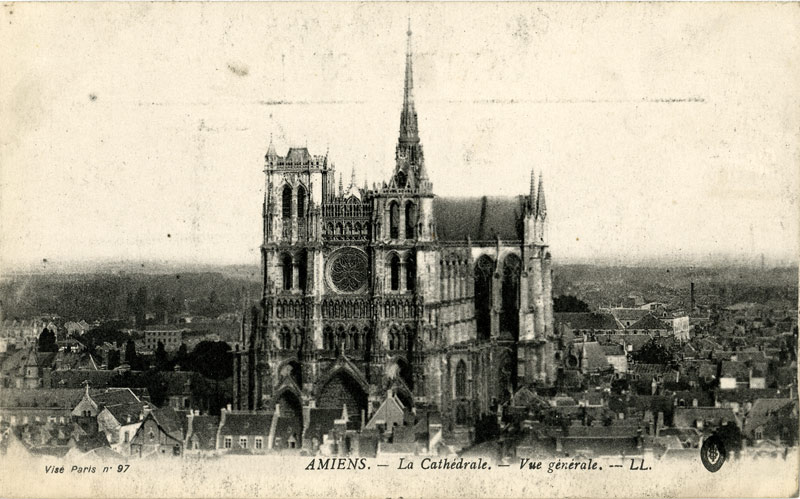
713,453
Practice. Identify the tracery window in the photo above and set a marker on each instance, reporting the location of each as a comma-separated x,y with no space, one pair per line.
411,273
509,317
287,202
394,271
394,220
484,274
411,220
301,202
461,379
349,270
287,272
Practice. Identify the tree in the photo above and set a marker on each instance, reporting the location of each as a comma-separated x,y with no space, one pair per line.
113,360
130,355
160,307
162,360
569,303
655,351
47,341
212,359
140,305
182,358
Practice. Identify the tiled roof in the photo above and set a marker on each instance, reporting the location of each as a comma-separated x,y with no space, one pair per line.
757,356
204,429
636,340
685,417
74,378
170,421
126,413
298,155
42,397
642,368
526,398
164,328
762,410
480,218
595,356
733,369
743,395
613,349
588,320
649,322
247,424
115,396
628,314
602,432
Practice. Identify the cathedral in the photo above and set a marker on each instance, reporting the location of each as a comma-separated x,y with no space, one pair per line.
444,304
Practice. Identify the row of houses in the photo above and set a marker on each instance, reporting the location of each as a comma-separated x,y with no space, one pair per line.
623,321
124,421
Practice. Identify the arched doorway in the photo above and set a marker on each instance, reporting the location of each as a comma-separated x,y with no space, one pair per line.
484,275
343,389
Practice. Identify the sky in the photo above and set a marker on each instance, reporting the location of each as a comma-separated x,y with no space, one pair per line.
137,132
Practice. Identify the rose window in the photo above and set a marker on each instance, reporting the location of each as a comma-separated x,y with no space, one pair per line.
349,270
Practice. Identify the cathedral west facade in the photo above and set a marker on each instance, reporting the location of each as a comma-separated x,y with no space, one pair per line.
444,302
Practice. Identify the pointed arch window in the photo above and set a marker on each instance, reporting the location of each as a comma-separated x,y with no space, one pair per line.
301,202
327,339
394,272
286,263
461,379
484,274
411,273
394,220
509,314
401,180
302,271
411,219
286,202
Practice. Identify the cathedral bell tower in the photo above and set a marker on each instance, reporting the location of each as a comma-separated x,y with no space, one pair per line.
409,187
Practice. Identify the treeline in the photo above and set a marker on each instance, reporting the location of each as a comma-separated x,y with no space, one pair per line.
607,285
122,296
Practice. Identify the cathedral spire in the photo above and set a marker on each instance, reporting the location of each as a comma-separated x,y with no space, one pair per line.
341,186
541,206
271,153
408,118
532,194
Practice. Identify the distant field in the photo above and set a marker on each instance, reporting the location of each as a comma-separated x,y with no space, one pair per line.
121,290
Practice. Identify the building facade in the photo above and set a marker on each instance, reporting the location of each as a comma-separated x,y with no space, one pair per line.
445,303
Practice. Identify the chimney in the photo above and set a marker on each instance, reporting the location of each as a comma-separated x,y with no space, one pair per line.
691,298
